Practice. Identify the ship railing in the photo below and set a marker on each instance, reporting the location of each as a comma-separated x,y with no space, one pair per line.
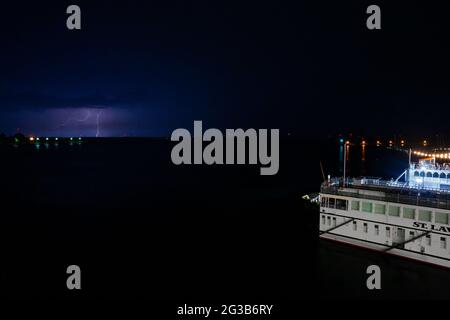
392,192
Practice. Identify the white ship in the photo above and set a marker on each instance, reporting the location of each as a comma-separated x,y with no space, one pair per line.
408,218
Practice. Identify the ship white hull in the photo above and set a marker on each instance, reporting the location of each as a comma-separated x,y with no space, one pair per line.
382,249
410,231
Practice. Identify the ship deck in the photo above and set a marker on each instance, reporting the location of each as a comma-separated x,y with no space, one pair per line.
388,191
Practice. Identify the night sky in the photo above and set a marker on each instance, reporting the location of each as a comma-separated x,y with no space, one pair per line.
145,68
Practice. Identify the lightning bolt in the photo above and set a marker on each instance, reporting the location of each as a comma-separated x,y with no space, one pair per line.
98,123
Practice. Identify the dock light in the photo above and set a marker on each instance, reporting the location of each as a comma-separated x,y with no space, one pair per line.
37,139
425,143
71,138
56,139
347,142
363,142
79,138
32,139
341,140
46,139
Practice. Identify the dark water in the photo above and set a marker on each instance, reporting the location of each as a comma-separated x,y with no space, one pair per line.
139,226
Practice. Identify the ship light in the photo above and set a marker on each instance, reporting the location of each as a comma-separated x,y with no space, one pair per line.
31,138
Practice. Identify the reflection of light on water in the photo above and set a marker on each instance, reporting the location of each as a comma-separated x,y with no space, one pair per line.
363,152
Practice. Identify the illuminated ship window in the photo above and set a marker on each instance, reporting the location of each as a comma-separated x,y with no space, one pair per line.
409,213
441,217
394,211
425,215
367,207
380,208
422,174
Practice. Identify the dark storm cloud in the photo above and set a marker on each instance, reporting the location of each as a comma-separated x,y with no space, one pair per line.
304,66
33,101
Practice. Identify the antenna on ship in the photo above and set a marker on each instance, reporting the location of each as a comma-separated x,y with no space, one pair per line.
410,157
345,160
321,169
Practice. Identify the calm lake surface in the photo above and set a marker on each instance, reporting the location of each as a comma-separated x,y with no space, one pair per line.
140,226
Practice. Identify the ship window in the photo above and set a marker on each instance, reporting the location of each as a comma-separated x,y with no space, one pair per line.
441,217
422,174
323,201
331,202
442,176
329,221
443,243
365,227
411,234
380,208
448,175
428,240
429,175
394,211
355,205
416,173
334,222
341,204
323,219
435,175
425,215
388,232
377,230
354,226
367,206
409,213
